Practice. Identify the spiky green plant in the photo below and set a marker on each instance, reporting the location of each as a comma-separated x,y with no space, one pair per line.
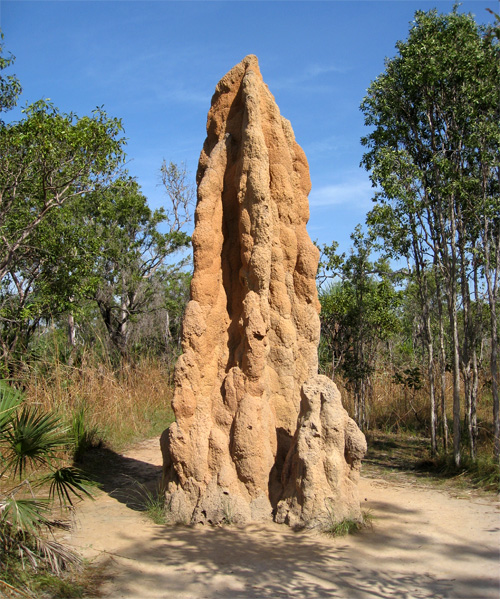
32,440
31,443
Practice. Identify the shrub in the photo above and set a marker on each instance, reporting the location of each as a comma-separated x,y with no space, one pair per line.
34,480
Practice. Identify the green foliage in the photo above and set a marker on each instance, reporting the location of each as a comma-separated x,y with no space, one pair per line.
481,473
10,88
435,140
10,400
50,163
19,580
410,377
343,528
358,312
82,253
46,159
391,454
433,153
60,587
156,509
105,248
67,483
102,242
30,442
135,265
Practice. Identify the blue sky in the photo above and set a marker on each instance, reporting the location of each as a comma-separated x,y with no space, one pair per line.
155,64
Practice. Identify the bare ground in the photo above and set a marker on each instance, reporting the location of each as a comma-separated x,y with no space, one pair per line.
424,543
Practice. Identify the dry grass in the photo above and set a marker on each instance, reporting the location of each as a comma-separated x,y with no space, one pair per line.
123,406
392,408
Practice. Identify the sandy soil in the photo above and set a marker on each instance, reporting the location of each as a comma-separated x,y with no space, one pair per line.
424,543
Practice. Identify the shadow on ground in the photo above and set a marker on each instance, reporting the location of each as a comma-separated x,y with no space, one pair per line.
128,480
260,563
399,558
410,455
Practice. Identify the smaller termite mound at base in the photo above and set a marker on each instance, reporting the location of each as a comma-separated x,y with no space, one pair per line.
251,329
321,472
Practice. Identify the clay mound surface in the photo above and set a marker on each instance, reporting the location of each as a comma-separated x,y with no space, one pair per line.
251,329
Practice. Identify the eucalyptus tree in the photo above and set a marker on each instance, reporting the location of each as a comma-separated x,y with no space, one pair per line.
51,277
433,147
358,312
47,159
139,250
403,237
10,87
487,214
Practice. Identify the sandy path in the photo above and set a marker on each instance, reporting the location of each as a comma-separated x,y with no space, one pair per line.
424,543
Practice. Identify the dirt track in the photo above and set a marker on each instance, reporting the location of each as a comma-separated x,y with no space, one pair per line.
424,544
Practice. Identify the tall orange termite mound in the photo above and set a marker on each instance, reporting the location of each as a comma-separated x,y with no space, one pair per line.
258,432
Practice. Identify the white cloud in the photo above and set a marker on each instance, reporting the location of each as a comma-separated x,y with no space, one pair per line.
309,74
322,146
357,192
182,95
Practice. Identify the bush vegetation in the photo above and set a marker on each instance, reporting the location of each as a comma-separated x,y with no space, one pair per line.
91,300
38,486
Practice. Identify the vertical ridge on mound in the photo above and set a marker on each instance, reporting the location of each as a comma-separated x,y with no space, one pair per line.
251,328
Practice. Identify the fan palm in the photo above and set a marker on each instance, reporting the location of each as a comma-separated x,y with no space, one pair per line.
32,440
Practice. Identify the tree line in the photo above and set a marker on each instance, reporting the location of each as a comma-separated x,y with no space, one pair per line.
80,248
433,155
